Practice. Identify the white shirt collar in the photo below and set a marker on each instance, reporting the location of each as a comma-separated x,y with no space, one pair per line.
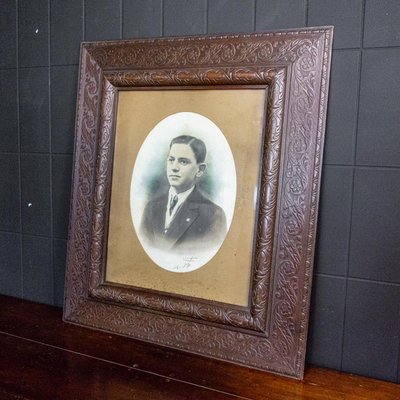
181,199
182,195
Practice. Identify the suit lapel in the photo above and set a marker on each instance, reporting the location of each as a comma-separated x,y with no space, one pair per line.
184,218
159,215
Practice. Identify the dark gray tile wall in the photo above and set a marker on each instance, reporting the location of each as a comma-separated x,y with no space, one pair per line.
10,264
273,14
342,112
59,259
375,240
34,109
345,15
33,33
66,24
63,103
231,16
371,339
381,26
9,108
103,19
10,209
185,17
378,140
35,194
142,19
356,295
334,220
37,275
61,178
8,34
326,322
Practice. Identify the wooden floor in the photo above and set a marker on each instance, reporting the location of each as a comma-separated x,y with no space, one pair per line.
43,358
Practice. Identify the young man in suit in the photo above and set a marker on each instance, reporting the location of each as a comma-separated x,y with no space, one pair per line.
183,219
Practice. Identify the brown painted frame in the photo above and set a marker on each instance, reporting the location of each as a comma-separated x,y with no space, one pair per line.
271,333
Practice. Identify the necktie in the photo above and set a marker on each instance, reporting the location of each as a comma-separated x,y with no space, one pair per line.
172,205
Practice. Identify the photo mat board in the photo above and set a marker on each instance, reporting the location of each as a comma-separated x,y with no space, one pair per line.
239,114
257,104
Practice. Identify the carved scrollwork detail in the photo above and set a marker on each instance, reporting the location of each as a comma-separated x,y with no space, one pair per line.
102,182
79,244
268,200
189,52
198,76
256,317
214,341
294,223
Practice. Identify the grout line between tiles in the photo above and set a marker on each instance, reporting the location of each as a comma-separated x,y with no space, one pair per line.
19,150
379,48
205,24
121,19
10,232
363,166
83,19
358,279
33,154
51,158
307,5
350,217
162,17
255,15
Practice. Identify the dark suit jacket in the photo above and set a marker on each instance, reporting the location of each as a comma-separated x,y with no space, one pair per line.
198,222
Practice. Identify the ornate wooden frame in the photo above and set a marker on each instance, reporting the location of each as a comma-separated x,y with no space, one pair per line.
271,333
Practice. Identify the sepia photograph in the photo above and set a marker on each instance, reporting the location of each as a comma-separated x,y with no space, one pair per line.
183,192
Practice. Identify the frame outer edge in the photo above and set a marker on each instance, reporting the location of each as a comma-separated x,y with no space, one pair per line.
319,154
79,149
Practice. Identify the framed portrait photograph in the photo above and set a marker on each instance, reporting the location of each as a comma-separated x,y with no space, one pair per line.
195,192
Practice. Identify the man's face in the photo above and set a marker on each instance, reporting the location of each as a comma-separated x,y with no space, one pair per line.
182,167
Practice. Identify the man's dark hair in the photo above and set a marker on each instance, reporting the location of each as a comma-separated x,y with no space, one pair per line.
197,145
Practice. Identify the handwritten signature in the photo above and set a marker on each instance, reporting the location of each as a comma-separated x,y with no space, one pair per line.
187,263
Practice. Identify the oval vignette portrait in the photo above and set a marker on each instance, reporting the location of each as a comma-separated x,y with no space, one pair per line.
183,192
